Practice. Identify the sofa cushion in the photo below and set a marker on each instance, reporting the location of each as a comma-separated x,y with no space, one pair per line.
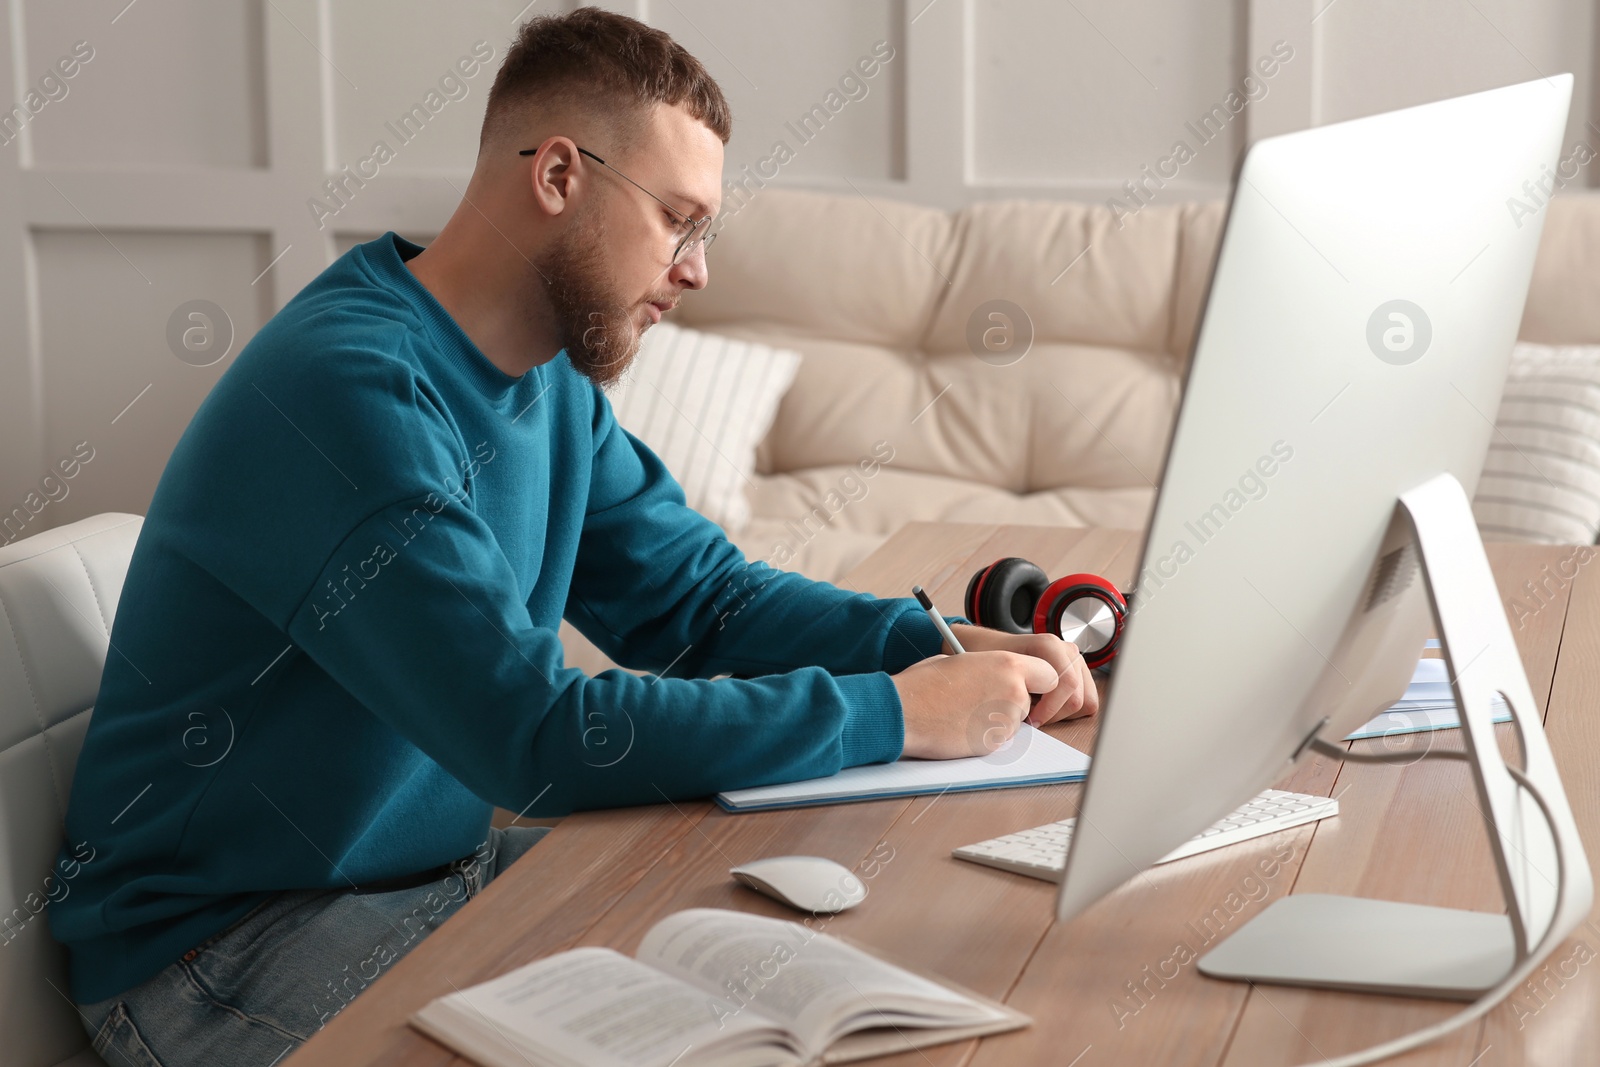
1064,416
1079,274
1198,239
817,503
826,266
881,310
701,402
1541,481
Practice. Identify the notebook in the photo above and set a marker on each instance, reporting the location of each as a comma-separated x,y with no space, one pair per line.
1031,757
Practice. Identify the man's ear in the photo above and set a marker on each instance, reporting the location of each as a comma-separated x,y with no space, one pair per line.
554,176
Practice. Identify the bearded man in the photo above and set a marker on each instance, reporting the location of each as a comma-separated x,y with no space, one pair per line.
336,650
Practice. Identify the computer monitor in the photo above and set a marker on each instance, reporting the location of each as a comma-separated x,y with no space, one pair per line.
1366,297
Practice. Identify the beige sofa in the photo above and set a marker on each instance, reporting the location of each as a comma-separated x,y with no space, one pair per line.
878,297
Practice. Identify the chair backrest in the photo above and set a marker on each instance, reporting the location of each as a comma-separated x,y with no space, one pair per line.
58,594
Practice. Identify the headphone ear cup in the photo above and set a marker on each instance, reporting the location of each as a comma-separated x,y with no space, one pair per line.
969,602
1003,595
1086,610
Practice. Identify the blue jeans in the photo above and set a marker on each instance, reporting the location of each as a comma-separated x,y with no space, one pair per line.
257,990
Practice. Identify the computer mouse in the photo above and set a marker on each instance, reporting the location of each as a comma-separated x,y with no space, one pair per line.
807,883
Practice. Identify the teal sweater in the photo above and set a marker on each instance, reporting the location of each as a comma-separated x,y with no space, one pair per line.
336,646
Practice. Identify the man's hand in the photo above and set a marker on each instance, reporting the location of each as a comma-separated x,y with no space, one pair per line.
970,705
1074,697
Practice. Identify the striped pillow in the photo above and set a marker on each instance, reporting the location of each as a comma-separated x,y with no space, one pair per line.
1541,481
703,403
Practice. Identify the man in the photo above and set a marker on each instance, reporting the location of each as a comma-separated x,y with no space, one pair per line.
336,649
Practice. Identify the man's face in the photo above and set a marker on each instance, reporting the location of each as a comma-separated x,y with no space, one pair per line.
611,275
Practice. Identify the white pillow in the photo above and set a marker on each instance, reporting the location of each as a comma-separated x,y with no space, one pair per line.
703,403
1541,481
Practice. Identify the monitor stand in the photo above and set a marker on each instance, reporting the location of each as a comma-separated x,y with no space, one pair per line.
1382,946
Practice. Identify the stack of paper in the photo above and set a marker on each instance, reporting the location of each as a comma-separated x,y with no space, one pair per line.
1428,705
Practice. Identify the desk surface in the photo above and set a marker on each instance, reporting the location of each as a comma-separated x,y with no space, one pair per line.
1095,985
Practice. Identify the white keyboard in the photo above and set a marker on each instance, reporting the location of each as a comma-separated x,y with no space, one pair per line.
1042,851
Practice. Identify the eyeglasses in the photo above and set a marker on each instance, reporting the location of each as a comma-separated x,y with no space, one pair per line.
689,232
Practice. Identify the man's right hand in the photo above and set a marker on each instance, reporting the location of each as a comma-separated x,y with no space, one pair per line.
968,705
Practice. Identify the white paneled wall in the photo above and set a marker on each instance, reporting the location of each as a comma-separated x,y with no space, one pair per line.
106,328
776,71
1107,88
1382,55
163,152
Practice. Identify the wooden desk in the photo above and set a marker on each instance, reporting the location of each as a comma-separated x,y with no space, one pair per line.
1094,986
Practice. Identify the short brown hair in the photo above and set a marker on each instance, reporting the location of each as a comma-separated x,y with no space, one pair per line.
615,65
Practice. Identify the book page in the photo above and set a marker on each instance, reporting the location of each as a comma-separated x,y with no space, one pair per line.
596,1006
808,982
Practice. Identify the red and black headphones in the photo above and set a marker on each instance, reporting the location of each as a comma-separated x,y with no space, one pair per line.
1017,597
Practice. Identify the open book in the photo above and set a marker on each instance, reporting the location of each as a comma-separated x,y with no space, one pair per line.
708,987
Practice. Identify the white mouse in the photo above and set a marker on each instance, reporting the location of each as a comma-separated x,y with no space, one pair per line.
808,883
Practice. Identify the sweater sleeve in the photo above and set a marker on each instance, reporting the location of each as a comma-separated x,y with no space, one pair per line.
659,587
369,549
439,646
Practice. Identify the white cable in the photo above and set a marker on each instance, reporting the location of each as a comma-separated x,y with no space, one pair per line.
1480,1007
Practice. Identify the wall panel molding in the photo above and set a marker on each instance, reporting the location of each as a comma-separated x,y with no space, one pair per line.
1290,105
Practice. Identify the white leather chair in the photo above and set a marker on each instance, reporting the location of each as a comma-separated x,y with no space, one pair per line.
58,594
